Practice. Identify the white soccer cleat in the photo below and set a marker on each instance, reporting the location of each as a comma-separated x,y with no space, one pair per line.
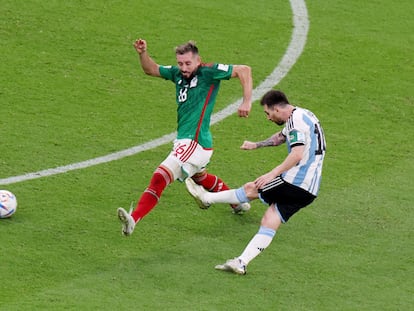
234,265
241,208
197,192
128,223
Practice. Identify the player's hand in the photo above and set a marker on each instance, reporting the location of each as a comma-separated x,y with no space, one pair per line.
244,109
248,145
264,179
140,46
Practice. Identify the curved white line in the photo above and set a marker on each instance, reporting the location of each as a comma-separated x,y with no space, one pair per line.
294,50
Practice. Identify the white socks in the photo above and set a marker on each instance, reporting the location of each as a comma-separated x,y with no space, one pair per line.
232,196
257,244
226,196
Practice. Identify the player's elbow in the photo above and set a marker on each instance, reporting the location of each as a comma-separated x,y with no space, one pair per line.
242,71
151,70
299,158
246,70
148,72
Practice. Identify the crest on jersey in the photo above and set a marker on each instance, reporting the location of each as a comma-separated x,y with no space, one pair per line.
194,82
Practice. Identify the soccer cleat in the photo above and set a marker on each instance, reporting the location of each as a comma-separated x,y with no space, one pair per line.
241,208
128,223
197,192
234,265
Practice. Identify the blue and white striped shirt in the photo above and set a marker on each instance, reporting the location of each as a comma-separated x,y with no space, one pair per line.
303,128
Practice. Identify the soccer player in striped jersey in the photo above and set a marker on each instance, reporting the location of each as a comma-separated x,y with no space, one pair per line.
289,187
196,85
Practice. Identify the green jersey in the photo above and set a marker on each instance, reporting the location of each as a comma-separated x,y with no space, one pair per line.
196,98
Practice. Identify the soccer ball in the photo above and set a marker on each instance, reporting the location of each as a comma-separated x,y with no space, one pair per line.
8,204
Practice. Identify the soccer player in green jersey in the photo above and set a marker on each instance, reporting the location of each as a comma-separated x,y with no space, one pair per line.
196,86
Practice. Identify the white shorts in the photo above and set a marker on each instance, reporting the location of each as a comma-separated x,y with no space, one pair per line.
187,158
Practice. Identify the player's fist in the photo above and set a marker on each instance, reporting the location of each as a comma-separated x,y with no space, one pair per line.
244,109
140,46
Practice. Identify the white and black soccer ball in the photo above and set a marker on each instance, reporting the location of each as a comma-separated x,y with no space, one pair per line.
8,204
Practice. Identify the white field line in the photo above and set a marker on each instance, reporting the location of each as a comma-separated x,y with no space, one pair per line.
293,52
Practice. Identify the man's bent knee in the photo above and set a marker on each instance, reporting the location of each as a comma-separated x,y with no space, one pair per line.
251,190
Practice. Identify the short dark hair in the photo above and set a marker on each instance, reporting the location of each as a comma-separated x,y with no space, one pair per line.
273,97
190,46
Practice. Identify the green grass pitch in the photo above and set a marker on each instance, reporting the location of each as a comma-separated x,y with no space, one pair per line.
71,89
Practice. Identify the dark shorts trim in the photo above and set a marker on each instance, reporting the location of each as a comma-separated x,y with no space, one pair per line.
288,199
